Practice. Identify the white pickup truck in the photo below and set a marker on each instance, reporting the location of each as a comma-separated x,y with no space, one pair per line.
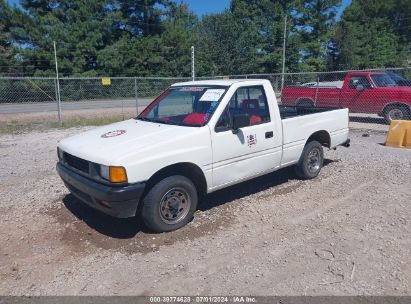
195,138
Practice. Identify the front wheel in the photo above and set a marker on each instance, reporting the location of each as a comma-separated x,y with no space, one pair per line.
169,204
311,160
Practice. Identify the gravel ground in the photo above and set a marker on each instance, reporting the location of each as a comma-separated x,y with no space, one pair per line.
347,232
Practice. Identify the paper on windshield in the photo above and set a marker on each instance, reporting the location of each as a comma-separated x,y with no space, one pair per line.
212,95
192,89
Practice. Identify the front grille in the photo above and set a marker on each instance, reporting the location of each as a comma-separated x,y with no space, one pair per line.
77,163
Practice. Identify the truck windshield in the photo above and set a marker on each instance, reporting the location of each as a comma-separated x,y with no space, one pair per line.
184,106
383,80
394,76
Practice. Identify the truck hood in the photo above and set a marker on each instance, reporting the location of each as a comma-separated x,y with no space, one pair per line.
107,145
398,89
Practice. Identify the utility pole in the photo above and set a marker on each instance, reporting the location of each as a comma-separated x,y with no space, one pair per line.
284,43
136,93
193,72
57,84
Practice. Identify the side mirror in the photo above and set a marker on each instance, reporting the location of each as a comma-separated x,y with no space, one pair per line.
240,121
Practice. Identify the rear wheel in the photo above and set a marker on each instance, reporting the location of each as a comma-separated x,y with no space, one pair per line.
311,160
169,204
396,112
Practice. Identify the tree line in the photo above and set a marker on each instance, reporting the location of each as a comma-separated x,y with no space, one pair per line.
154,37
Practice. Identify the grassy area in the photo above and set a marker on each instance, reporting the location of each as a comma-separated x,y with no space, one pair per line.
16,127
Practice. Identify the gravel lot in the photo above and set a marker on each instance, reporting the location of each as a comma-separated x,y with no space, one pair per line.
347,232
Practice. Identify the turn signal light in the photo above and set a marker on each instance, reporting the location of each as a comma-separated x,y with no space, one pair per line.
118,175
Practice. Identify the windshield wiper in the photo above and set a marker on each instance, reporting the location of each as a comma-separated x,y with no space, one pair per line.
169,122
143,119
165,122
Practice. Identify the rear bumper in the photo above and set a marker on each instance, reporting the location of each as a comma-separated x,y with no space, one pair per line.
121,202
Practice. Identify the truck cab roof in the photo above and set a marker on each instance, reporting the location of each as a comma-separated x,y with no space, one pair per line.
365,73
219,82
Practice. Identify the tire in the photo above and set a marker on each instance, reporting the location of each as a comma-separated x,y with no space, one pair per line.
396,112
169,204
311,160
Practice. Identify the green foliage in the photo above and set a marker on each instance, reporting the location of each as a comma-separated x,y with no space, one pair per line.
315,20
374,34
248,38
6,50
143,17
154,37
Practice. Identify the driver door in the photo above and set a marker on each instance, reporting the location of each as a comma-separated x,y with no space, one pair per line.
251,151
358,95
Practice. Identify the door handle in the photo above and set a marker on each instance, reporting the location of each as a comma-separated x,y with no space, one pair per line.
269,134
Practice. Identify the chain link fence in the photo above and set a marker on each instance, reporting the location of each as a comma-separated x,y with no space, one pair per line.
32,98
374,97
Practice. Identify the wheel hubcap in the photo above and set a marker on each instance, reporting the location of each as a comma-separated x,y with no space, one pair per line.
395,114
175,205
314,160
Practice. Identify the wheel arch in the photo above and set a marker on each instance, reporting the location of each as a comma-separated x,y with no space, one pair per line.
323,137
394,104
186,169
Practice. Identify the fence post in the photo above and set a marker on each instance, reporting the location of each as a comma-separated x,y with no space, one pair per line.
136,94
193,71
284,45
316,90
122,107
57,85
56,89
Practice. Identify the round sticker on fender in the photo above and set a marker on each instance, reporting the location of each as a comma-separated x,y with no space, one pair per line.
113,133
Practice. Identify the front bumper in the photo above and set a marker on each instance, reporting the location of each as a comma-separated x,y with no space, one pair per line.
121,202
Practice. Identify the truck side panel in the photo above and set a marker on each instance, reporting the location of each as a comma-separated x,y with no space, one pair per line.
297,130
320,97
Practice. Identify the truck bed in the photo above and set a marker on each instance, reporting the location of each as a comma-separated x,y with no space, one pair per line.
299,123
294,111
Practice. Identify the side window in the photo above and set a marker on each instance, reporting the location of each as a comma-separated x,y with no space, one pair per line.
356,81
224,123
247,100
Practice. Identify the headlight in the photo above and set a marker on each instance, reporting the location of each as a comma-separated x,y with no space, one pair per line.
105,172
113,174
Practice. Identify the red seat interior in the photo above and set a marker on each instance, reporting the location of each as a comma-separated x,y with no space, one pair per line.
194,118
254,119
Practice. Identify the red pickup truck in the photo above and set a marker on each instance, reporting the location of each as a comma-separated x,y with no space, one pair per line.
360,92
